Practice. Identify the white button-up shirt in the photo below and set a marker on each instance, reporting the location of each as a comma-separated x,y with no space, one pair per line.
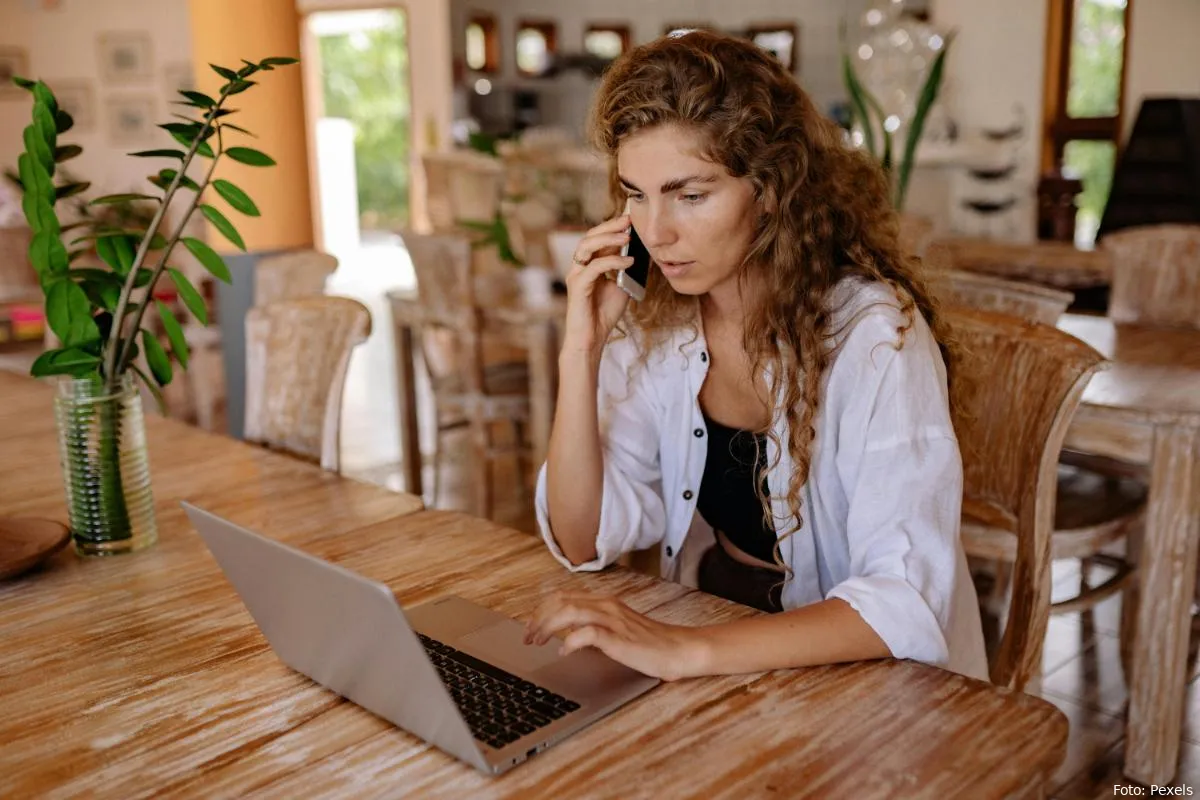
880,510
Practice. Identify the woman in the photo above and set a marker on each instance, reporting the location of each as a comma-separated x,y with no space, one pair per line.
781,385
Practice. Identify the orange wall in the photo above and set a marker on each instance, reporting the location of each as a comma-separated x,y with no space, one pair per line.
224,32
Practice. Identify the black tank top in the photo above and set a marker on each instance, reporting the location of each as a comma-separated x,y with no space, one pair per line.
728,500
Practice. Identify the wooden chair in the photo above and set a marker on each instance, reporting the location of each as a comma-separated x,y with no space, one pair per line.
1155,275
297,354
1021,385
1029,301
467,391
291,275
1099,503
459,186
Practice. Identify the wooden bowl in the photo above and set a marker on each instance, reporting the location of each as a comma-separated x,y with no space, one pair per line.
25,543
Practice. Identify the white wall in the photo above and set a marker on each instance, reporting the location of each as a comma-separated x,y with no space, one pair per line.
63,46
817,21
1163,56
996,63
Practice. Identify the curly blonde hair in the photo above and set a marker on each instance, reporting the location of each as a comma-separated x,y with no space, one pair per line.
824,212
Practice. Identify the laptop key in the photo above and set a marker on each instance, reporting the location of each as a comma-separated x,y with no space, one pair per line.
522,727
537,719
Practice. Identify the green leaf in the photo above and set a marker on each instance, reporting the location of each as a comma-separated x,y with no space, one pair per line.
174,332
916,126
278,61
164,177
222,224
224,112
858,104
24,83
48,255
156,357
70,190
238,128
150,385
208,258
40,215
143,278
64,361
190,297
160,154
240,86
117,251
200,99
69,313
113,199
157,241
36,146
249,69
66,152
63,121
103,292
205,149
236,198
45,98
225,72
248,155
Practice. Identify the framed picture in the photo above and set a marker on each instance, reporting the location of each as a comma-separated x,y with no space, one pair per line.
77,98
178,75
131,120
780,40
126,56
13,61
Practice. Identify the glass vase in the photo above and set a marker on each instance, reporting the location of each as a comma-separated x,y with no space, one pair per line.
106,471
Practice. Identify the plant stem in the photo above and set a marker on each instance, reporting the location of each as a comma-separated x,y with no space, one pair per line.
127,349
113,512
115,342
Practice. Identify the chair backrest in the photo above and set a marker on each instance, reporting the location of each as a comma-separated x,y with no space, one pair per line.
1029,301
461,186
1155,275
292,275
297,354
1021,385
449,330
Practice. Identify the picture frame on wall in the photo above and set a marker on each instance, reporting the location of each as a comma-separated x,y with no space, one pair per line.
131,119
126,56
178,76
14,61
77,98
780,39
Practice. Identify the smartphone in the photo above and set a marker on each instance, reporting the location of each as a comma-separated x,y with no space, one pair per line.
633,278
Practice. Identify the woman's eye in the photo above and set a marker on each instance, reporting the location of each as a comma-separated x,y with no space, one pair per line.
637,198
693,198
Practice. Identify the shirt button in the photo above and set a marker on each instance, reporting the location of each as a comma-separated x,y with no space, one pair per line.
699,432
687,494
670,552
703,356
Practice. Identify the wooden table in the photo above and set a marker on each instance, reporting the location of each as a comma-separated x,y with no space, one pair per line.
1058,264
1146,408
143,675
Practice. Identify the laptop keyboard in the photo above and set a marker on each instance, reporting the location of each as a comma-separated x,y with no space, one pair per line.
498,706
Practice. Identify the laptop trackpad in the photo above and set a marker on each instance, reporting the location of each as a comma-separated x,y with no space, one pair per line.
504,643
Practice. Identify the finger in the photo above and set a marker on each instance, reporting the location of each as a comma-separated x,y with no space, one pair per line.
618,223
594,244
573,614
590,636
583,275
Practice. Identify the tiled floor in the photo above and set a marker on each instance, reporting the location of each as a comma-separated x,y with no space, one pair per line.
1082,667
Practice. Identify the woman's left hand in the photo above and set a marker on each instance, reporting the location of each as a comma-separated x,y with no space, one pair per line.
669,652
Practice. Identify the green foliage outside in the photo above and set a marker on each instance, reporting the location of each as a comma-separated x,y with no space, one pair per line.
364,77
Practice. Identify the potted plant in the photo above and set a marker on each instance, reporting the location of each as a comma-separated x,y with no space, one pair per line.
98,312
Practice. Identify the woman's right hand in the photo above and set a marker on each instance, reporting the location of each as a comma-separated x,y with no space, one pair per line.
594,305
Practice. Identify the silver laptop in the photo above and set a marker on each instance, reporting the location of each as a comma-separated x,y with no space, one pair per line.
452,672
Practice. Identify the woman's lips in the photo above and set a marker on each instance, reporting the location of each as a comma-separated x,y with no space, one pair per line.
673,269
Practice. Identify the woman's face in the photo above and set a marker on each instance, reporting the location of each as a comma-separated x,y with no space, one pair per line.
695,218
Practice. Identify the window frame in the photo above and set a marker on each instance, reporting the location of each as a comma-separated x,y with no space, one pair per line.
793,64
621,29
491,42
549,31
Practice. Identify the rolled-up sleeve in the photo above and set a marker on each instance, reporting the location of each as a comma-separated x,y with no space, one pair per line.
632,513
903,480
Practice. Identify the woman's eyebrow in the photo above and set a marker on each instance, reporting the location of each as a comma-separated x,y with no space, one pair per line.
672,185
